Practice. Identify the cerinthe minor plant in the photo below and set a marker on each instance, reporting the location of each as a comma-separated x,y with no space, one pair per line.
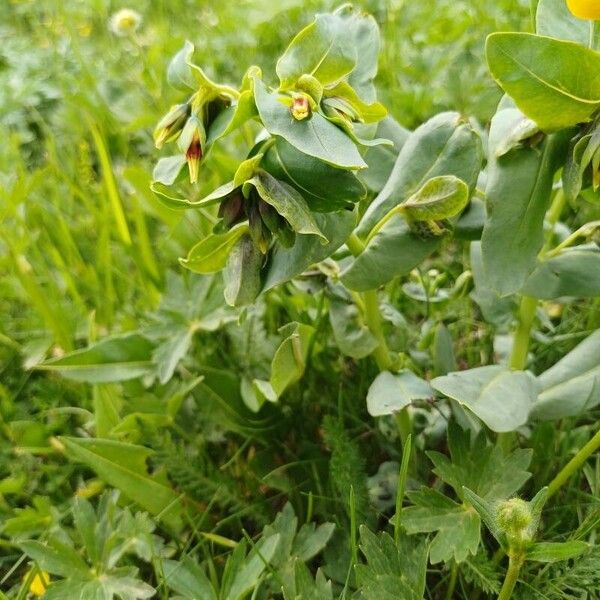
303,194
298,198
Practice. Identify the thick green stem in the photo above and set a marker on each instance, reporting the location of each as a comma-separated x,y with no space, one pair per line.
512,575
452,582
372,313
373,321
520,349
574,464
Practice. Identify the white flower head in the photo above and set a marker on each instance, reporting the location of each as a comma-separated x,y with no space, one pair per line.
125,22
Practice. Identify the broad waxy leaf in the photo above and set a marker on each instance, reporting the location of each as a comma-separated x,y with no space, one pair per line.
470,223
391,572
351,335
381,159
322,49
394,250
457,525
287,263
289,361
495,309
167,169
325,188
242,109
365,31
314,136
179,72
287,202
391,392
574,272
572,385
242,274
556,83
439,198
368,112
210,254
518,192
444,145
115,358
554,19
501,398
123,466
184,75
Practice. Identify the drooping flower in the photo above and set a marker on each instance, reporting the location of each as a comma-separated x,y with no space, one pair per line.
191,142
170,126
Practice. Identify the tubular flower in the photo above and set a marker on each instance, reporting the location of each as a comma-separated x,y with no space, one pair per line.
191,142
300,108
585,9
170,126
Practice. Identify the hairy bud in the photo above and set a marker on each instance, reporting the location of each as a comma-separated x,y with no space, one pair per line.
514,517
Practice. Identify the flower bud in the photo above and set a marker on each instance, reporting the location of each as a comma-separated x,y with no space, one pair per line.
270,217
300,108
335,106
260,234
171,124
286,235
191,142
514,517
231,210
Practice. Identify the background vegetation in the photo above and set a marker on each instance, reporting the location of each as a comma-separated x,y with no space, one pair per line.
86,250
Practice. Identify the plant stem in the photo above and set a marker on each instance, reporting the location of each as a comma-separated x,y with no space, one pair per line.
452,582
373,322
372,313
574,464
382,353
518,358
355,244
514,567
406,457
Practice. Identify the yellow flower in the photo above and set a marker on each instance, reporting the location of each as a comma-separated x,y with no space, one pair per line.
585,9
300,108
39,583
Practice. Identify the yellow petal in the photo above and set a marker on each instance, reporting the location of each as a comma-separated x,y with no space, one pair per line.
39,583
585,9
